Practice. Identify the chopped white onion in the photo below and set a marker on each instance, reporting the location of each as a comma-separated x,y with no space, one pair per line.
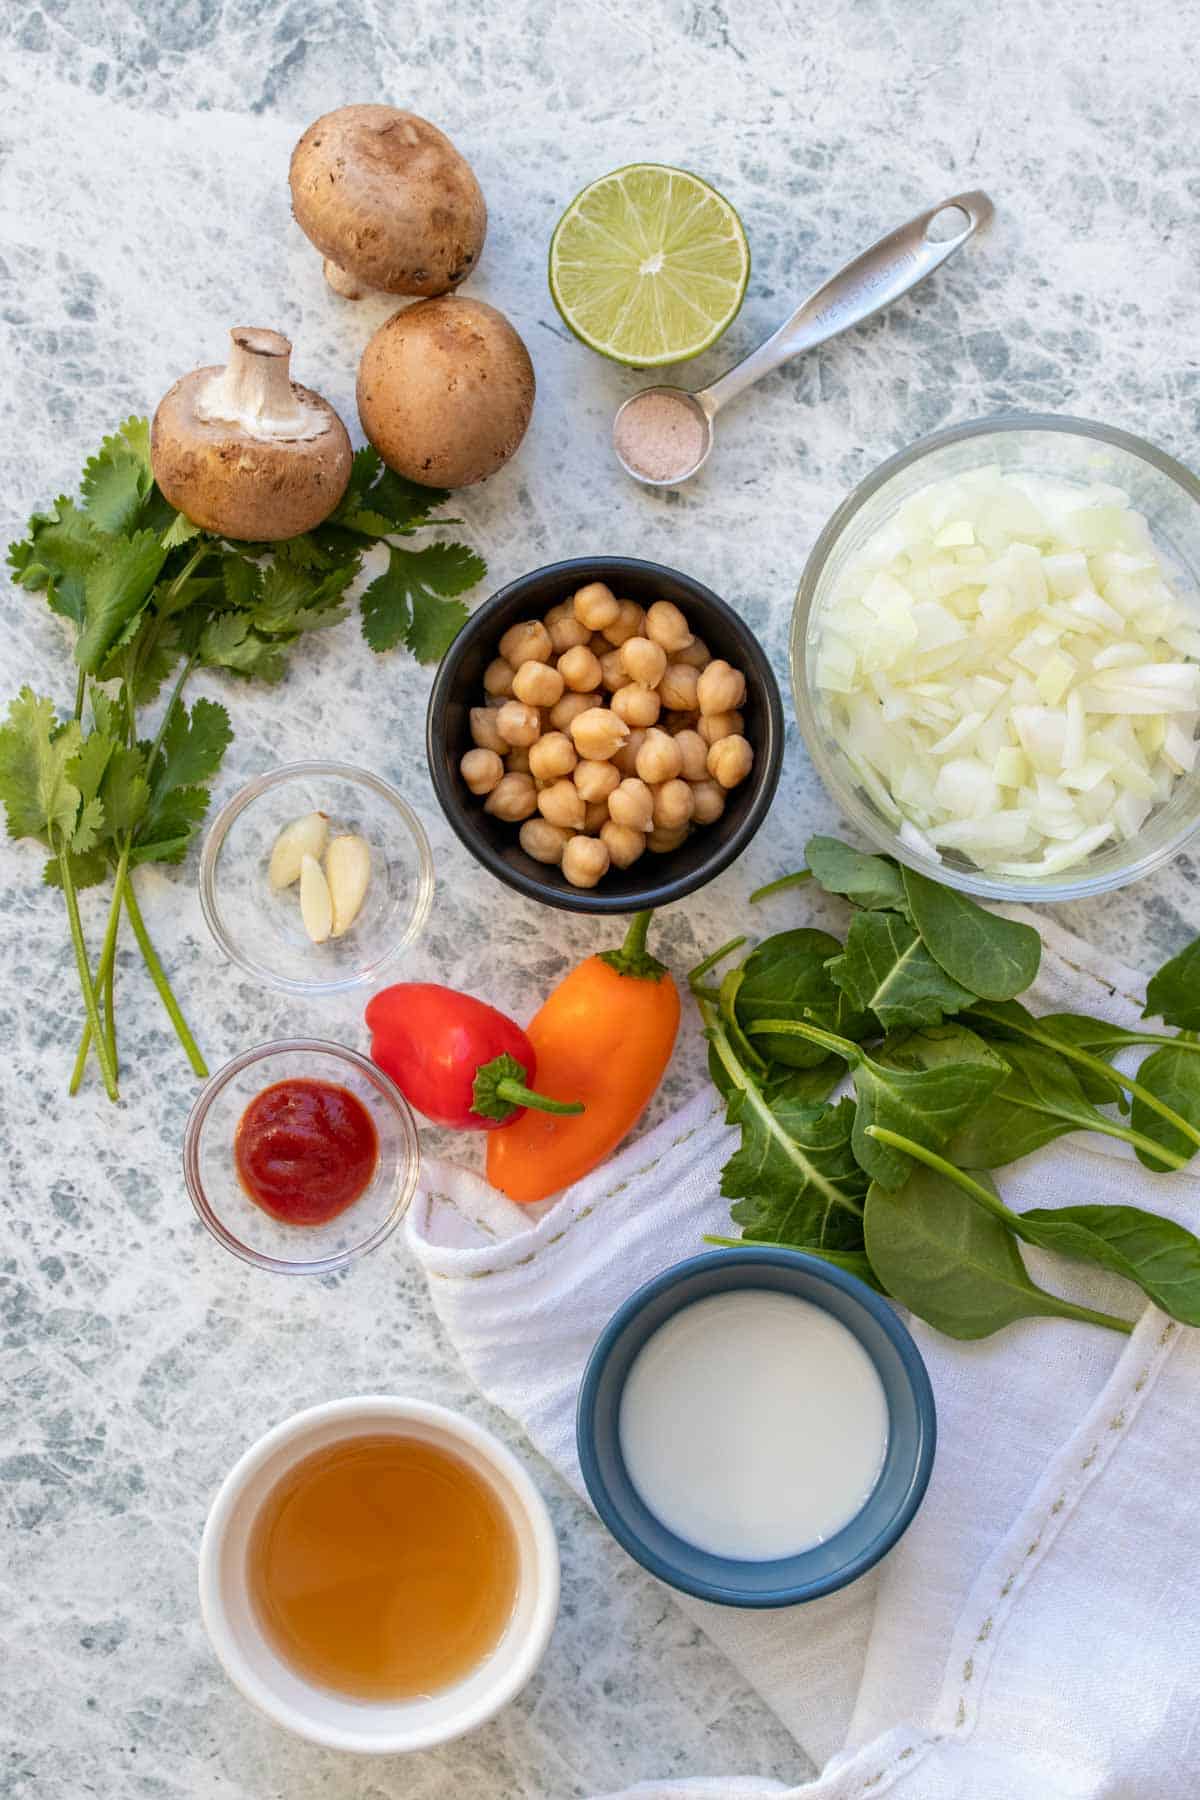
1010,671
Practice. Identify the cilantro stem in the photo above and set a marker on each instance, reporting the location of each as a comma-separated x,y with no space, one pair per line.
80,689
158,977
91,1007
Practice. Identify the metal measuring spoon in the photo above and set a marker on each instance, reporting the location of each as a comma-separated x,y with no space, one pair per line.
864,287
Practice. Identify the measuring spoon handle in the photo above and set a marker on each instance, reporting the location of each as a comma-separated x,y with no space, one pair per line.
864,287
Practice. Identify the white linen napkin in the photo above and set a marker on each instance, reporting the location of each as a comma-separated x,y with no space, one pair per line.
1034,1636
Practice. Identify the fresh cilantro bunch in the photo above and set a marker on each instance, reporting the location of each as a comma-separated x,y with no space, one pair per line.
151,597
951,1076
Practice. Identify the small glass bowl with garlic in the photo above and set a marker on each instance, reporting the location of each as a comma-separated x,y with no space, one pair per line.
996,657
314,876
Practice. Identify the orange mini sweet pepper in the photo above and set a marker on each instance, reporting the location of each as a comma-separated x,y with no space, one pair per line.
604,1036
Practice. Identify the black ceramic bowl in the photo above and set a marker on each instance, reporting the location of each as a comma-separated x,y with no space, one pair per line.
653,880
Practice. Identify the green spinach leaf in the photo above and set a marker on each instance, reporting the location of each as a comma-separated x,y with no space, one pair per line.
854,1262
787,977
872,882
1173,1076
886,969
1173,993
926,1089
1161,1257
993,957
954,1264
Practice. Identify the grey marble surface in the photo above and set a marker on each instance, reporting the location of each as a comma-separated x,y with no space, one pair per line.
143,209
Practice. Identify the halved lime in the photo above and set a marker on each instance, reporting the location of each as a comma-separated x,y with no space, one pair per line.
648,265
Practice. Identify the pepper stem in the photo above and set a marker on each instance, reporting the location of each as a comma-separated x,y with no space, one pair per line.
633,958
500,1091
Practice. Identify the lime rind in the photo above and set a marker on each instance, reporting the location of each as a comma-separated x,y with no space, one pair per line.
646,317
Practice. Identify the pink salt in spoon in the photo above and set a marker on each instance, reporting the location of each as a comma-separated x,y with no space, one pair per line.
663,435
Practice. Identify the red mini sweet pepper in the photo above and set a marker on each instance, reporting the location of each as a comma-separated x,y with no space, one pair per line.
458,1061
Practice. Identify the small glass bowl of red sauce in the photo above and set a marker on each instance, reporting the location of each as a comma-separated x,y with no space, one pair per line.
300,1156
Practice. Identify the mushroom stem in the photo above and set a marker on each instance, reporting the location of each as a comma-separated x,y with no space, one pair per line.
343,282
255,393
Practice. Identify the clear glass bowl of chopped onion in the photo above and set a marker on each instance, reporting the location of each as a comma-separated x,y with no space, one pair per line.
996,657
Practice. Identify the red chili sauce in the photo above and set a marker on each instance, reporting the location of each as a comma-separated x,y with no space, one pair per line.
305,1150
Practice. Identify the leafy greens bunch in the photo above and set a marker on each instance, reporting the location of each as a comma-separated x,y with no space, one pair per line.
149,596
952,1077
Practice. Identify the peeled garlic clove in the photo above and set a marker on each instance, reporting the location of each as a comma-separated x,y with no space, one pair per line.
316,907
303,837
347,870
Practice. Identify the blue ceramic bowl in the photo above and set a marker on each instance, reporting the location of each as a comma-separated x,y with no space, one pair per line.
895,1498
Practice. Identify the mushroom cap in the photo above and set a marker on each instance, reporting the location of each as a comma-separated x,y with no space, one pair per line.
244,487
385,195
445,391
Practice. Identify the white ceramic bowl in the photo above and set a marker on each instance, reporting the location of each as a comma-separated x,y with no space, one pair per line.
381,1728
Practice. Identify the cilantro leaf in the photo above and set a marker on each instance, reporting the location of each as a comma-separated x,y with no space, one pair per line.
242,578
39,797
124,789
88,869
168,832
117,480
192,746
179,531
55,557
116,588
411,602
87,766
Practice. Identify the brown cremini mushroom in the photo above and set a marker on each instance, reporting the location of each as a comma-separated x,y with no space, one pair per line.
388,201
246,452
445,391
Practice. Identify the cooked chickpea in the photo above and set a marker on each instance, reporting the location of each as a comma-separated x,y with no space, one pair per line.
596,780
612,671
628,622
667,627
567,633
517,762
730,760
543,841
673,805
661,840
659,758
708,802
585,861
498,679
568,708
714,726
626,757
643,661
632,804
553,755
513,798
562,804
537,684
624,845
598,733
595,817
519,724
580,668
677,687
696,655
483,729
527,642
638,706
693,753
596,606
720,688
564,610
482,770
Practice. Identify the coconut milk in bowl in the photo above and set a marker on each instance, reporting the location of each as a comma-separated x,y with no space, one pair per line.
756,1427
